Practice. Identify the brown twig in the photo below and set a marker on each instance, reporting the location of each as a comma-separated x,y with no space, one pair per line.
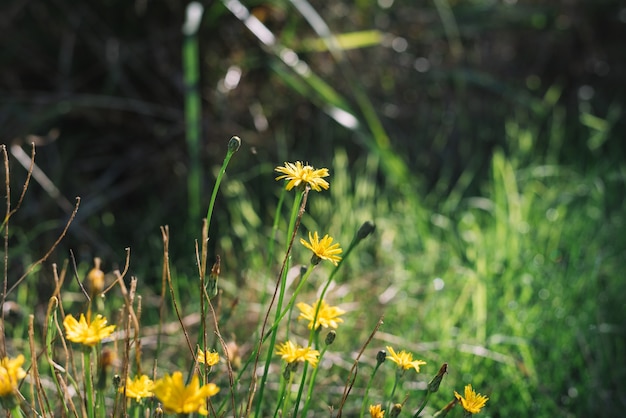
168,275
45,257
355,368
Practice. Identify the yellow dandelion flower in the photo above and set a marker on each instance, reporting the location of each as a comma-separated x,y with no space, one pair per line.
472,402
376,411
324,249
180,399
10,373
404,359
291,352
138,388
211,358
297,174
328,316
87,333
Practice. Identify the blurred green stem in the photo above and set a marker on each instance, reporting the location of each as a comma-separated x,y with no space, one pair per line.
192,125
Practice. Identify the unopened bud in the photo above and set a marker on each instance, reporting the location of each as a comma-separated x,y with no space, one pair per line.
381,356
433,385
95,278
330,337
234,144
366,229
395,411
315,260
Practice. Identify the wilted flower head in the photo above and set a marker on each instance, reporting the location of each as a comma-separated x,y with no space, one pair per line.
180,399
291,353
324,249
472,402
87,333
404,360
327,316
298,174
10,373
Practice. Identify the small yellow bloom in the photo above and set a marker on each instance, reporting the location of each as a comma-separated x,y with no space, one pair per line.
376,411
291,352
404,360
298,174
138,388
472,402
211,358
87,333
180,399
324,249
10,372
328,316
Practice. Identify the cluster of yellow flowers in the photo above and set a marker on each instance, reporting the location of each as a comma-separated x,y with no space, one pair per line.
175,396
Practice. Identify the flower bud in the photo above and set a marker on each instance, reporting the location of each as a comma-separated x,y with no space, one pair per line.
330,337
395,411
234,144
381,356
366,229
95,278
433,385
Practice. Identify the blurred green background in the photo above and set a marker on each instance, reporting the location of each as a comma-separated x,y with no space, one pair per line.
484,138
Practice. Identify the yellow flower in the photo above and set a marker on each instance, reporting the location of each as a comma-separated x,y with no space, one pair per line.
10,372
87,333
376,411
404,360
472,402
298,174
324,249
180,399
291,352
211,358
139,387
328,316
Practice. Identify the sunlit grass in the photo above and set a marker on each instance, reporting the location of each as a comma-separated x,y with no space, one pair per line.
500,286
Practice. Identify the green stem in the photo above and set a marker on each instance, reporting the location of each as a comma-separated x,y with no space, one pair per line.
16,412
283,392
88,382
399,374
423,405
367,389
233,146
300,390
292,222
309,395
291,300
355,241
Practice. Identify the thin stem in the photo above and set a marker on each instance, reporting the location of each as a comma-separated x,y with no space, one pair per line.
296,214
367,389
309,395
88,382
233,146
399,374
300,390
423,405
